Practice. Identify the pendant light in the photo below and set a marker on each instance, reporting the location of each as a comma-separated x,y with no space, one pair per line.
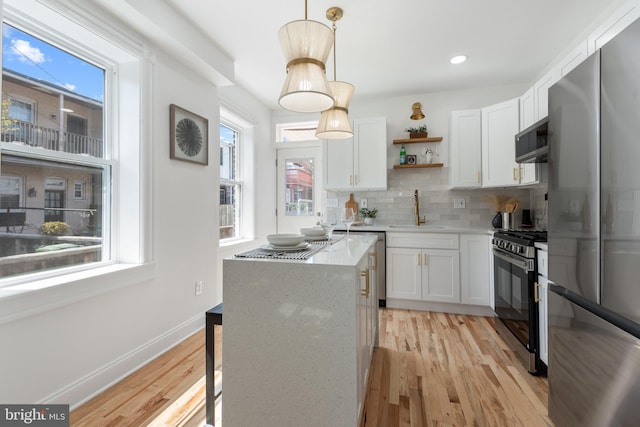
306,45
334,122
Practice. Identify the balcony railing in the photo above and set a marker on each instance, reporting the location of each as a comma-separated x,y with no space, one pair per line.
37,136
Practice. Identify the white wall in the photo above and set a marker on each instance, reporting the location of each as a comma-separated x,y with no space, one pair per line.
68,353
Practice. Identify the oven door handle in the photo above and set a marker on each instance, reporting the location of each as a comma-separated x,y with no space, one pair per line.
523,263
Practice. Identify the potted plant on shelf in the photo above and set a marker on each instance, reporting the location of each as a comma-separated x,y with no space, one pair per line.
417,132
368,215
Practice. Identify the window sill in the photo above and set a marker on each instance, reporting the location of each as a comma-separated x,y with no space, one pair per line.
236,243
35,297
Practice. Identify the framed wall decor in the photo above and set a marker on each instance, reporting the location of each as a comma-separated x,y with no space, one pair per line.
189,136
411,159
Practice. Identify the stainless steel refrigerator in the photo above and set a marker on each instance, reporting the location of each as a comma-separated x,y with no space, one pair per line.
594,239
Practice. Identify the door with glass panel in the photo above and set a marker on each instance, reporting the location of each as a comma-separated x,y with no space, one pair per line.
299,186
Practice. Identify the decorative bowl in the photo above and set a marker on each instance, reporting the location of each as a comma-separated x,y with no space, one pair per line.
313,232
285,239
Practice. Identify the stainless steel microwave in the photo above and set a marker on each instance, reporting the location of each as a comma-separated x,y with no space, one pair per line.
531,143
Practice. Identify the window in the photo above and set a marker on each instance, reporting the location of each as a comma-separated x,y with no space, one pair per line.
34,69
62,160
21,110
230,184
296,132
10,192
299,187
78,190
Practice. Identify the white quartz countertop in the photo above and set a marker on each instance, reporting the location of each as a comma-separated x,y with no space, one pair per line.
344,252
409,228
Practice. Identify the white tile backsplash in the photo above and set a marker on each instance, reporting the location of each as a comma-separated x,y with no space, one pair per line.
396,205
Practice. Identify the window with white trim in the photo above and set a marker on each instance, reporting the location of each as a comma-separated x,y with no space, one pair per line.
296,132
70,67
78,190
230,183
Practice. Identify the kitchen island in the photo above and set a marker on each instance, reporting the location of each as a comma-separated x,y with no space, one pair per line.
298,336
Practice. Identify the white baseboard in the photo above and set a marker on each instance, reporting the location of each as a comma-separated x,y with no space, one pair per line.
442,307
89,386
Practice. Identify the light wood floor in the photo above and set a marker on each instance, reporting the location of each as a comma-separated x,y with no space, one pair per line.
431,369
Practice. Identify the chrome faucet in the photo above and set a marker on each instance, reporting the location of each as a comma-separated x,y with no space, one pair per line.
416,206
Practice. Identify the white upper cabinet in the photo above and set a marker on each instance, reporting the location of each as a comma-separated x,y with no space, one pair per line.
527,109
466,149
338,163
359,162
541,92
624,16
500,124
574,58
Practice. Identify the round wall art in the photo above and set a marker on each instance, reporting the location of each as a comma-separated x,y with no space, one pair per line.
189,136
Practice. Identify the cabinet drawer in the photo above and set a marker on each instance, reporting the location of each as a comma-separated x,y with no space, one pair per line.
543,263
422,240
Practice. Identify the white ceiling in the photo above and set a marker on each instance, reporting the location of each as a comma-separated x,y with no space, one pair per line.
402,47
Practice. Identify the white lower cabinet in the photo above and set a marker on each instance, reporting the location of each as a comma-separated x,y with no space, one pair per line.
475,288
543,303
431,271
404,274
367,321
542,289
423,273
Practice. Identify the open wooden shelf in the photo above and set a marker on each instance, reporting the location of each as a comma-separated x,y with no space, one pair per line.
417,140
419,165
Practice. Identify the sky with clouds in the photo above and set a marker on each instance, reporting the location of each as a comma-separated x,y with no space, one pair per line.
30,56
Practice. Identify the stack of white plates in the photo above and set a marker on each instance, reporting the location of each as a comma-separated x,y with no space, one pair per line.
286,242
315,233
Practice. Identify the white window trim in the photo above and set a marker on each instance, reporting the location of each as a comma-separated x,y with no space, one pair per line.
229,117
128,117
237,181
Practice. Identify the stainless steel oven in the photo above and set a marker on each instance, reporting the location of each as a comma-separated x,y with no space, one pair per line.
516,304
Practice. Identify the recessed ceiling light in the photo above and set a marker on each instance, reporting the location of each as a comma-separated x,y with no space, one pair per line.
458,59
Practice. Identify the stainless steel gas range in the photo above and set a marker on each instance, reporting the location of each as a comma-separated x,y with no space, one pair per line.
516,302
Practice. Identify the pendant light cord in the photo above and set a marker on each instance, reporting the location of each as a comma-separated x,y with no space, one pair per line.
334,50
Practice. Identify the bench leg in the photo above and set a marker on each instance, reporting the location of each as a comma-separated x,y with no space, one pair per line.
210,394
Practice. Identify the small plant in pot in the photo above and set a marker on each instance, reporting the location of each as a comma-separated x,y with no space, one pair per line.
368,215
417,132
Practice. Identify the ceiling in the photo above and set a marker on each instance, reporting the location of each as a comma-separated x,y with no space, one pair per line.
401,47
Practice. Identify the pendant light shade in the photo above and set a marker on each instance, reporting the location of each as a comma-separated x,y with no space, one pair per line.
306,45
334,123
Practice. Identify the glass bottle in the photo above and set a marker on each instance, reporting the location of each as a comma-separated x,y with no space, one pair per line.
403,156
